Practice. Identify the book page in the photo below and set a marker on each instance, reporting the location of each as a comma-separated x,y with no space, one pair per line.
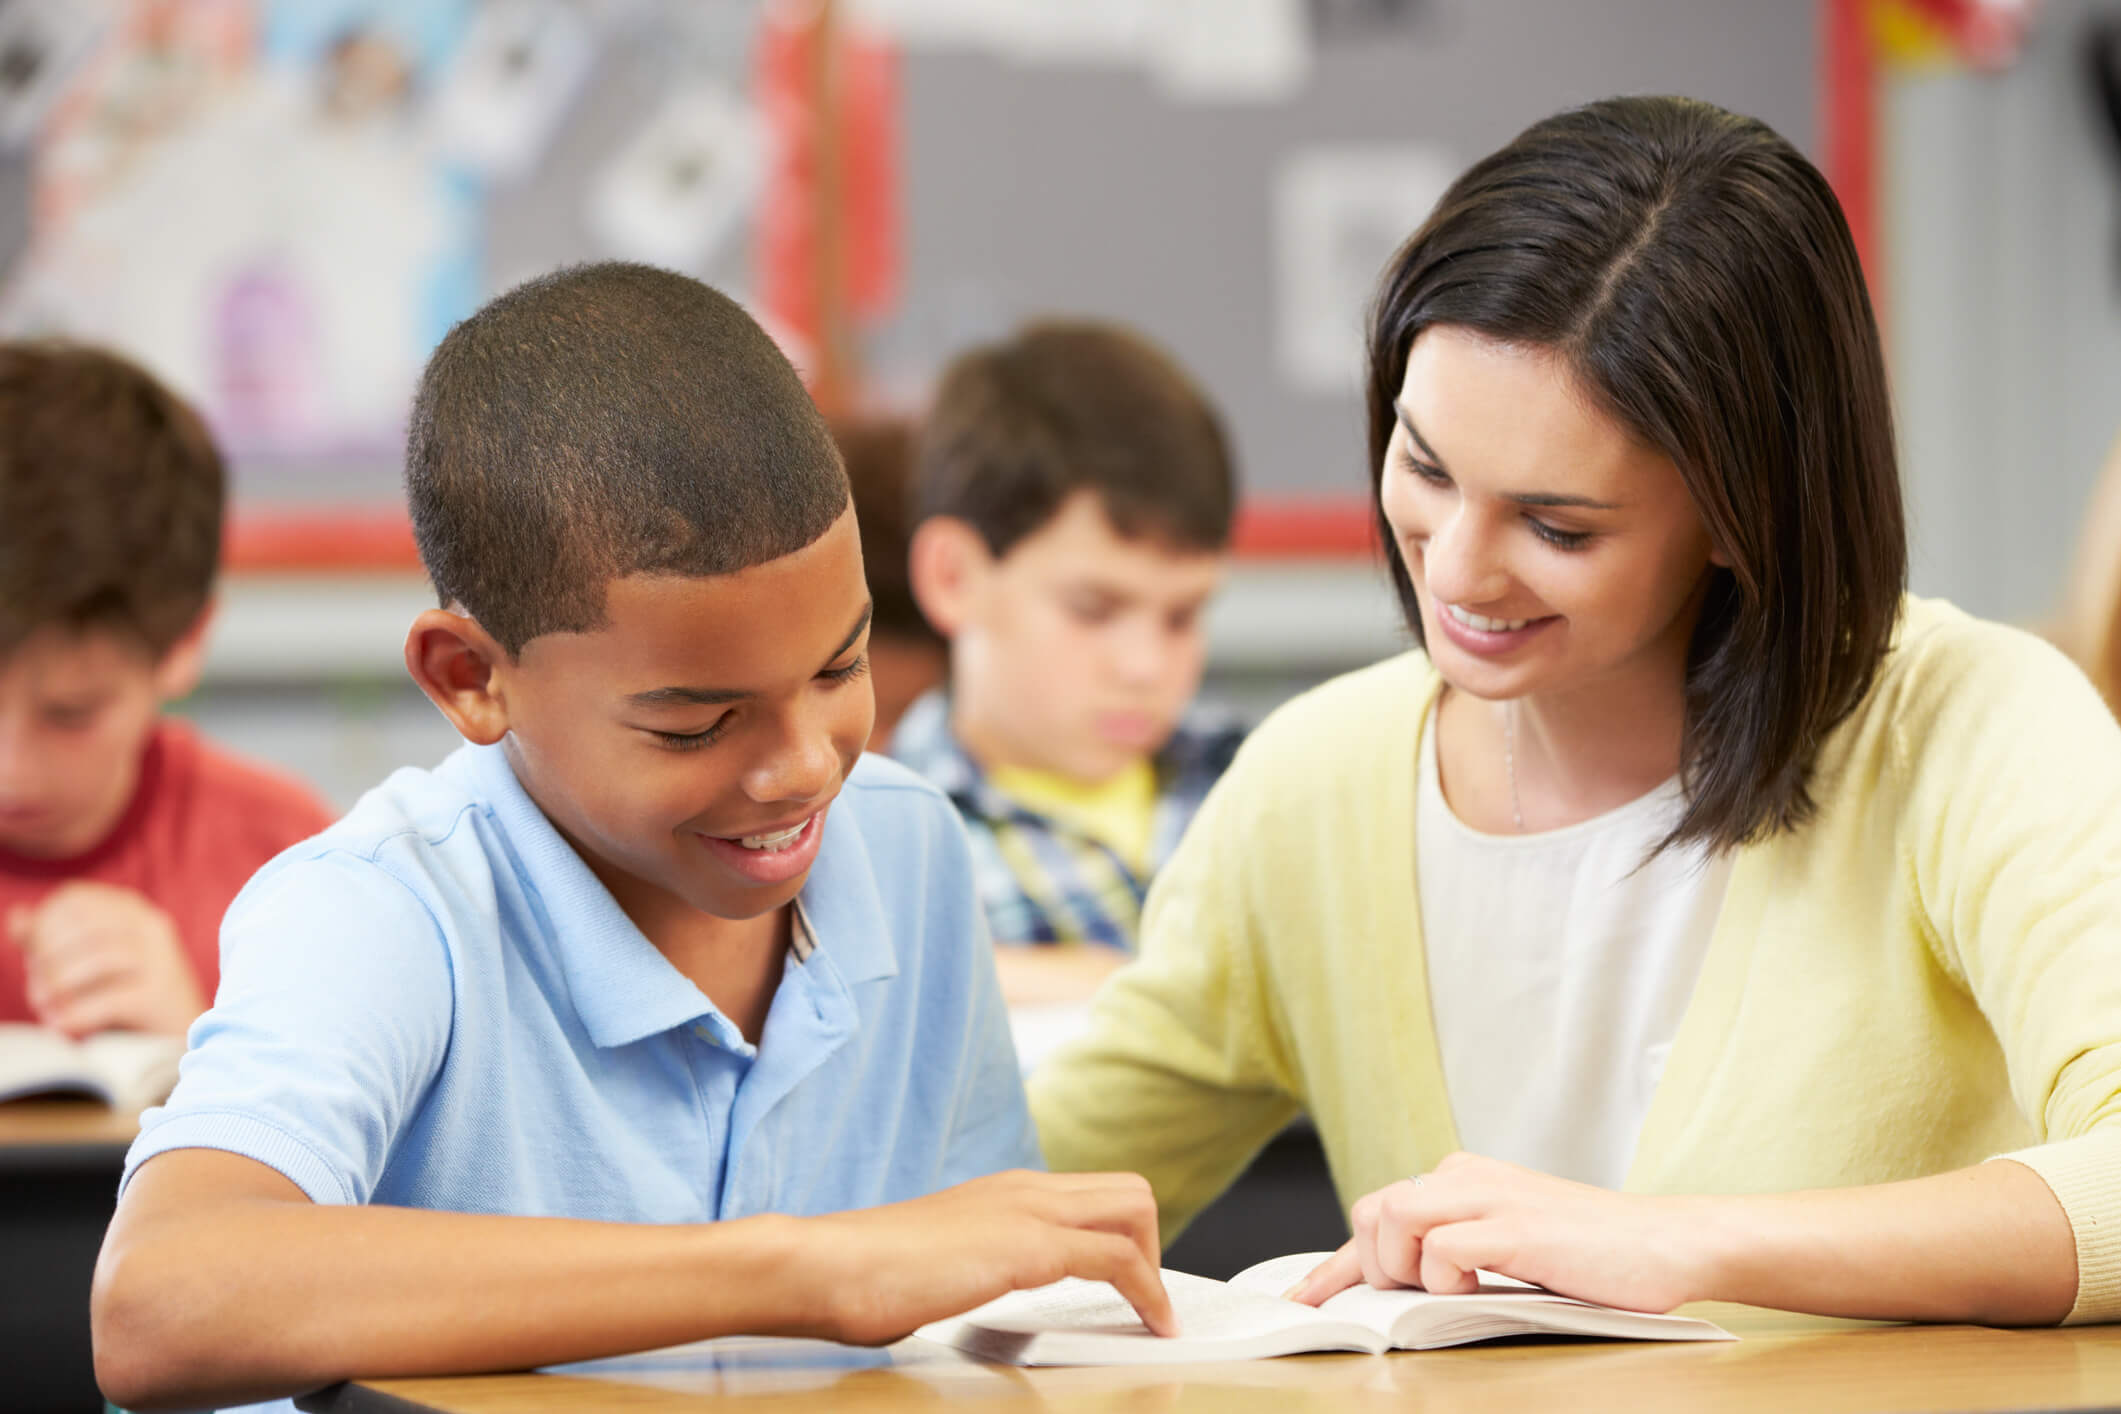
35,1061
1075,1322
125,1070
138,1069
1416,1319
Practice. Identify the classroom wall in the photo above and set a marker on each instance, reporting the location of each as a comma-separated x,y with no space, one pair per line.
1033,188
2003,312
1084,189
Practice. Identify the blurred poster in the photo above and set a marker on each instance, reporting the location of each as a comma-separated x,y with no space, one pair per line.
1339,215
511,83
248,197
680,188
1232,50
41,43
1080,32
1196,50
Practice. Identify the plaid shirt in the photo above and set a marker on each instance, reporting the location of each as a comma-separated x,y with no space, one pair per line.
1040,880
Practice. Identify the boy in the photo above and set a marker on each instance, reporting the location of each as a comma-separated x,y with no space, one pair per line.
643,986
1072,502
123,836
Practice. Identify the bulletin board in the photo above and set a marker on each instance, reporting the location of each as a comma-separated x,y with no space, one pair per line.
280,205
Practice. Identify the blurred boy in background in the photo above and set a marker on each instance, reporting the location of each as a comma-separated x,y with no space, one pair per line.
123,835
1072,500
906,655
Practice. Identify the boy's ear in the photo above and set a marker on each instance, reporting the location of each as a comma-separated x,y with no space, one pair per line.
177,670
946,566
453,659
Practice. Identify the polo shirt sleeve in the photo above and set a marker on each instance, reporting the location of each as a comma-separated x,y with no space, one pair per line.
2015,851
332,1019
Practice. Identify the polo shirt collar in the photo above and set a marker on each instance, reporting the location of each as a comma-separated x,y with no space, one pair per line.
622,986
846,913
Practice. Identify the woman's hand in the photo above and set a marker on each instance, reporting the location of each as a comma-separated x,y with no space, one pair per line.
1620,1249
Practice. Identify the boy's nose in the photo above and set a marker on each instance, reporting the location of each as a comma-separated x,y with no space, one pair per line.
1140,655
801,768
18,759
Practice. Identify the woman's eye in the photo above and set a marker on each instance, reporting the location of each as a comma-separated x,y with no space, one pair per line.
1434,475
1559,539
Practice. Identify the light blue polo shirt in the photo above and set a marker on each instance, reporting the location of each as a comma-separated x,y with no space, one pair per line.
436,1004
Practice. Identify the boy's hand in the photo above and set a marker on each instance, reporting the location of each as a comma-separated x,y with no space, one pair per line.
880,1272
98,957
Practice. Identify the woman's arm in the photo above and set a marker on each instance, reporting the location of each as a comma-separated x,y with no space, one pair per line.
1174,1078
220,1282
1987,1244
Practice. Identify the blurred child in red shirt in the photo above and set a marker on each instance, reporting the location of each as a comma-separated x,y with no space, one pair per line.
123,835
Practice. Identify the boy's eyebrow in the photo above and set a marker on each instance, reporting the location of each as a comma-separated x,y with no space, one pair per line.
861,622
716,696
1528,498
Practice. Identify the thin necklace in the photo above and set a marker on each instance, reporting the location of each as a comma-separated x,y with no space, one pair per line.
1509,759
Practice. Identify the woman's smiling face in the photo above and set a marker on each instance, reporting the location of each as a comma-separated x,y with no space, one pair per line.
1548,548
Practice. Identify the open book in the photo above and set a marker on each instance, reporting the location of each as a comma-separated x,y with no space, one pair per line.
125,1069
1077,1322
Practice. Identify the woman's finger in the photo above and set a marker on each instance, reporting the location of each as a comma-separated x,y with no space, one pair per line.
1400,1233
1452,1256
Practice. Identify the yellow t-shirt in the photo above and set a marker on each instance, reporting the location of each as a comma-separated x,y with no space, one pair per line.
1119,813
1924,974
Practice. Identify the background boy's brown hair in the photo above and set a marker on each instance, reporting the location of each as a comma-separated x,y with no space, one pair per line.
1016,428
111,495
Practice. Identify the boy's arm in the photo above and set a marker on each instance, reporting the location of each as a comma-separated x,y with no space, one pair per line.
221,1282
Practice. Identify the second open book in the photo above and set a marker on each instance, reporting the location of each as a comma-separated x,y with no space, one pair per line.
1088,1323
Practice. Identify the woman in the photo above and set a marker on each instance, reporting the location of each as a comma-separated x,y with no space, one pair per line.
1697,913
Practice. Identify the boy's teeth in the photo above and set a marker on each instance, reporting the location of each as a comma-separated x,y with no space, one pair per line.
1482,622
773,843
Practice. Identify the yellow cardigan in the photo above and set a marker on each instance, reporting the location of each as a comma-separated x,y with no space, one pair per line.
1924,975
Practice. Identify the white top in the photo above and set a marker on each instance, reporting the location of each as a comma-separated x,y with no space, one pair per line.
1558,972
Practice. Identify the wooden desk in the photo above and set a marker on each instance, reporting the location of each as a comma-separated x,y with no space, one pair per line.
59,1167
1783,1363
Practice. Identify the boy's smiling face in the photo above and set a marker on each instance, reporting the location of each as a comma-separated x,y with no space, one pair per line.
704,712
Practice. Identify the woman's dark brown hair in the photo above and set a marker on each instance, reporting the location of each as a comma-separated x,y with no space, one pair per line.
1696,273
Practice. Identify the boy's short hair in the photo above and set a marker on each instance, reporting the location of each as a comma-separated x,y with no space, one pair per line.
1018,427
878,452
602,421
111,494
